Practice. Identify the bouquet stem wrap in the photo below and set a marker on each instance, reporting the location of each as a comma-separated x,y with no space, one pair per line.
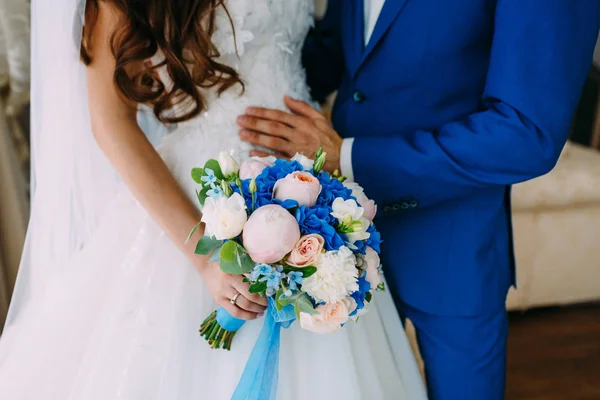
260,376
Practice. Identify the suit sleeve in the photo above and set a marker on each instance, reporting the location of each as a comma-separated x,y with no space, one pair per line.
541,54
322,55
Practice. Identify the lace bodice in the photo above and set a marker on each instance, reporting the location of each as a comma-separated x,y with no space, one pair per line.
269,35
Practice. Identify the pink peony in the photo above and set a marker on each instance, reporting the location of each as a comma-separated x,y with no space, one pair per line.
330,317
300,186
306,251
368,205
253,166
270,234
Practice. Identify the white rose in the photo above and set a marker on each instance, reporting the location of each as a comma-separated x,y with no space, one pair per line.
336,277
228,165
358,192
346,211
306,162
360,230
224,217
373,270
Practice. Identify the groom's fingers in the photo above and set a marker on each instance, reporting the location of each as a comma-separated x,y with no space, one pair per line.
302,108
269,114
270,142
273,128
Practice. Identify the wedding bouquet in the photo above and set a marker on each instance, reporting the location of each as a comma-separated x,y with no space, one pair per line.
301,237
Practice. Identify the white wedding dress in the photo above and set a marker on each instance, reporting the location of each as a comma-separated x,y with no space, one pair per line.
120,321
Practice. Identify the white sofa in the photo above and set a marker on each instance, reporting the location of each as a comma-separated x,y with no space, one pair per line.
557,233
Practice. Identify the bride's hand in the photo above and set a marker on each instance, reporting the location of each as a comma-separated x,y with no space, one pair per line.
224,287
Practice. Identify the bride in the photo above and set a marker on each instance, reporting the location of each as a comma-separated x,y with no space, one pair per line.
109,297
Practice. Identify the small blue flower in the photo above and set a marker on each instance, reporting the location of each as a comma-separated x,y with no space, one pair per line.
260,270
273,280
209,179
294,279
332,189
216,192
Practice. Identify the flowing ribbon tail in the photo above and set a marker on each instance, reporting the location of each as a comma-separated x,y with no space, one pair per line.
261,374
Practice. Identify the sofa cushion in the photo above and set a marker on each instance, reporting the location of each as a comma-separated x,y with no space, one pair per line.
574,181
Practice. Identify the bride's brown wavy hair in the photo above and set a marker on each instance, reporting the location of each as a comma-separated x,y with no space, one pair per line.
182,30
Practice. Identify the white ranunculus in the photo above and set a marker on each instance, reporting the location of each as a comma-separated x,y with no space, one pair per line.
336,276
306,162
360,230
346,211
228,164
224,217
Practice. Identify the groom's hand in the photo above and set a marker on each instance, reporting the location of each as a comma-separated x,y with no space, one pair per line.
302,131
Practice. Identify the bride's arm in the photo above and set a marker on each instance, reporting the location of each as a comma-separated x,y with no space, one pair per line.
145,173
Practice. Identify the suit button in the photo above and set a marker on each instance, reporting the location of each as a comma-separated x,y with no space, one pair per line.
358,96
413,204
387,209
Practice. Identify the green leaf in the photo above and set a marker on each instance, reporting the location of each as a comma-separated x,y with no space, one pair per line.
286,301
305,305
235,260
278,295
202,194
306,271
207,244
258,287
194,229
368,297
197,174
214,165
216,255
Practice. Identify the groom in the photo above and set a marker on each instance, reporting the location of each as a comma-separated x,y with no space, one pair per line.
441,106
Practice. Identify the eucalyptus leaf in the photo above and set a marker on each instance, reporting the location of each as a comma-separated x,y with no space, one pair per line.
258,287
194,229
235,260
306,271
305,304
216,168
207,244
202,194
197,174
216,255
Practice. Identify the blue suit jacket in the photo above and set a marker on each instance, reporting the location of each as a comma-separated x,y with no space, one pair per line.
451,102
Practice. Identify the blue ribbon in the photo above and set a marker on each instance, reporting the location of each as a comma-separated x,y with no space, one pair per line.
227,321
260,376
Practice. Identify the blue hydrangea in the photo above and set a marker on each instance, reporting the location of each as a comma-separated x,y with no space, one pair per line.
332,189
375,239
318,219
359,296
269,176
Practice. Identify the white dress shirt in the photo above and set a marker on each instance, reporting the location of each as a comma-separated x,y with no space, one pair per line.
372,9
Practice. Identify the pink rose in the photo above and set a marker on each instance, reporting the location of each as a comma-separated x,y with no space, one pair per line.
300,186
368,205
306,251
329,319
253,166
373,263
270,234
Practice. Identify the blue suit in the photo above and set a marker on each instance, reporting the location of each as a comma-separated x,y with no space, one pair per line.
450,103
